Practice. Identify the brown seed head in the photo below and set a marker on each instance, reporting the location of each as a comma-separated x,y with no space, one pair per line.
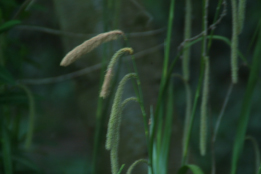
89,45
106,84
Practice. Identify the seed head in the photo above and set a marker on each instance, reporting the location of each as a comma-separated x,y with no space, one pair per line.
108,77
89,45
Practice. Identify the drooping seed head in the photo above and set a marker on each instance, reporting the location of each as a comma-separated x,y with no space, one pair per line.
106,84
89,45
118,54
108,77
112,131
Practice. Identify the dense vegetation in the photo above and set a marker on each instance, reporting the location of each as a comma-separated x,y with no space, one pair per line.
122,104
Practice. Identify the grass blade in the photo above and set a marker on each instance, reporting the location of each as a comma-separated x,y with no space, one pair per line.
194,168
164,80
122,166
30,130
256,150
187,35
136,163
167,131
246,106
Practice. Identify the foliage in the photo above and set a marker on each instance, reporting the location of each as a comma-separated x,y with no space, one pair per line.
18,110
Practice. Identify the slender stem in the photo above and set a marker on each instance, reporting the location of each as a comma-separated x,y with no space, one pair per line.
256,151
168,39
187,35
204,102
187,139
30,130
234,42
217,126
165,78
99,115
140,99
159,101
188,116
220,116
215,18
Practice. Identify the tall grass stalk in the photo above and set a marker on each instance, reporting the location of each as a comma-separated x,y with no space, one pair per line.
215,131
187,35
256,151
197,94
166,136
246,105
215,19
187,137
164,79
220,116
234,42
185,67
102,105
204,102
203,111
187,116
99,117
241,15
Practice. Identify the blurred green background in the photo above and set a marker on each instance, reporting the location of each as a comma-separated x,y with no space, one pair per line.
66,106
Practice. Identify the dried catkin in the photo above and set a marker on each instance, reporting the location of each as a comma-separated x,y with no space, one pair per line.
109,74
106,84
89,45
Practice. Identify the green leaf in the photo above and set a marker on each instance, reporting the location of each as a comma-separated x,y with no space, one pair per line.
194,168
6,77
8,25
122,166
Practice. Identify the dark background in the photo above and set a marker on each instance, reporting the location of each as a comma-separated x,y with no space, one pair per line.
66,108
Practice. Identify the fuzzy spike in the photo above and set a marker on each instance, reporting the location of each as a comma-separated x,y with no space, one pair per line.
116,109
108,77
113,133
89,45
234,42
203,119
